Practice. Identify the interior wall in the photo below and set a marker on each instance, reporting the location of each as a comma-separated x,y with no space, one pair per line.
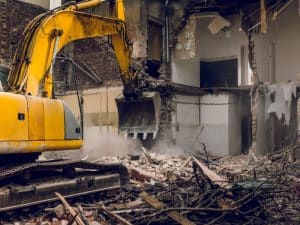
43,3
186,121
287,46
198,121
99,107
186,72
277,52
223,45
202,45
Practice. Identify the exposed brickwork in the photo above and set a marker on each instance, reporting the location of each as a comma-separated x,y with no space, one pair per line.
4,52
99,56
96,53
14,16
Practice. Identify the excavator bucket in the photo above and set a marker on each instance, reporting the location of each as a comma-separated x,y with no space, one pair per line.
139,118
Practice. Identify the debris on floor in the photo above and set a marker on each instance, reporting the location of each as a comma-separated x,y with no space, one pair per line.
186,189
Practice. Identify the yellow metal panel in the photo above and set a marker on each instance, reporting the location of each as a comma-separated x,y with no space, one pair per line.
39,42
63,145
13,147
38,146
36,118
13,128
54,119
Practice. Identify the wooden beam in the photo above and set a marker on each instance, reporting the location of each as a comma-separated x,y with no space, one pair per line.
263,17
179,218
213,176
70,209
114,215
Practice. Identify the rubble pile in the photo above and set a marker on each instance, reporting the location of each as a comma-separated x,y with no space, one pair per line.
187,189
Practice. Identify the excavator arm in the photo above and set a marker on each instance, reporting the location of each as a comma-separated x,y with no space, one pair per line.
34,121
50,32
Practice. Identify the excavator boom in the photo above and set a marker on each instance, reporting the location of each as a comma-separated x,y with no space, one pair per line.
29,87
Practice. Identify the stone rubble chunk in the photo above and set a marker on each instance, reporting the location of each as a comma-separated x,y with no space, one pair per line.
59,211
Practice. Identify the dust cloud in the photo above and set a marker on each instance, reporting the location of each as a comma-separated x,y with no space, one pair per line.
98,143
167,148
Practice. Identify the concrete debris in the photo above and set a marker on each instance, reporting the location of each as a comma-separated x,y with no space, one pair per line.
217,24
59,210
213,176
189,190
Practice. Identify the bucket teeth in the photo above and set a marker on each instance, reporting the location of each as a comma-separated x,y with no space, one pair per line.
139,119
145,136
142,136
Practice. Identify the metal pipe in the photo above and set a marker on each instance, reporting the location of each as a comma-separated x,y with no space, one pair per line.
277,12
86,5
167,25
54,53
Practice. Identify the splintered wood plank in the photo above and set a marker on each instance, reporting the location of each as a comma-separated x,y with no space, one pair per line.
70,209
213,176
114,215
179,218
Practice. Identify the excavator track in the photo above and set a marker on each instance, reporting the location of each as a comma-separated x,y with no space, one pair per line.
30,184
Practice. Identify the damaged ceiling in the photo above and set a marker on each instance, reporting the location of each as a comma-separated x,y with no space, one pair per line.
250,11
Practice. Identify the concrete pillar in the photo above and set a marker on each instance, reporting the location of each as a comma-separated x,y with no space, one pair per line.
273,133
263,144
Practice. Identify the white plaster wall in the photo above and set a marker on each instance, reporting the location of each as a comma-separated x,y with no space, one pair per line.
186,72
43,3
214,120
221,121
225,44
99,107
287,45
284,33
211,47
186,120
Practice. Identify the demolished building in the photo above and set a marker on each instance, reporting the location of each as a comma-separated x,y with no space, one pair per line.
223,70
220,68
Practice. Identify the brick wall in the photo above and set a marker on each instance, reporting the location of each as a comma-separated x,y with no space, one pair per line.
98,55
14,16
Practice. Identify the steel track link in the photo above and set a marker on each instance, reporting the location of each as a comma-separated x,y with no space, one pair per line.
74,179
12,171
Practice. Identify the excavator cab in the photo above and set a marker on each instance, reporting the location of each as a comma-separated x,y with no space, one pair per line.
139,118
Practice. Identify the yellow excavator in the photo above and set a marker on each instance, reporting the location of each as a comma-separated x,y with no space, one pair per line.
32,120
